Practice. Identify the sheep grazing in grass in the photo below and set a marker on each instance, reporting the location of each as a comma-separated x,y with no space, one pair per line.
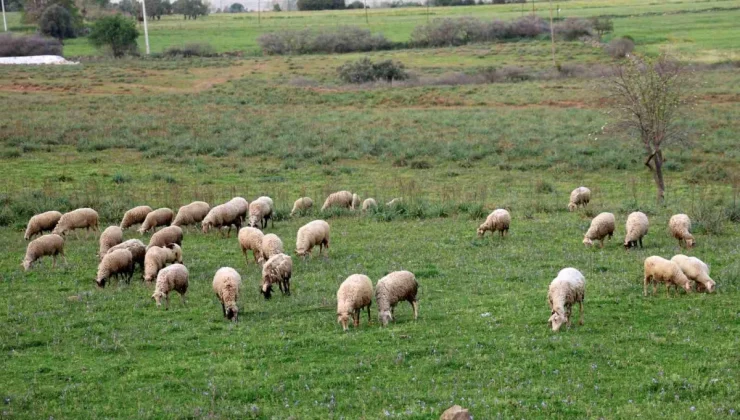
40,223
167,236
115,263
191,214
271,245
111,236
260,212
156,218
250,239
224,215
135,216
354,294
226,284
660,270
302,204
580,197
137,249
567,289
601,227
173,277
394,202
369,203
84,218
277,269
499,220
312,234
158,257
396,287
637,228
49,245
341,199
356,201
241,206
696,270
680,226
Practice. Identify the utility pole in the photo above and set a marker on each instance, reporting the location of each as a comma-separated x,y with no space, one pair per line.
146,30
259,12
533,7
428,10
367,20
5,22
552,37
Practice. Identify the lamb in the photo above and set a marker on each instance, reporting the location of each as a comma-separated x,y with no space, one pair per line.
156,218
579,197
356,202
250,239
312,234
338,199
260,212
226,284
84,218
680,225
498,220
601,227
567,289
135,216
302,204
43,246
167,236
115,263
696,270
137,249
659,269
242,208
395,201
369,203
191,214
637,228
111,236
224,215
354,294
393,288
277,269
157,257
271,245
41,223
174,277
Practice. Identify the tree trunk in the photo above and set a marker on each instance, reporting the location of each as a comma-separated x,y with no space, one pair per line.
657,169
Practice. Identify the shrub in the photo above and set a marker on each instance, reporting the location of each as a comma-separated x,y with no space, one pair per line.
364,70
343,39
56,22
602,25
320,4
620,47
24,46
357,4
190,50
466,30
115,32
573,28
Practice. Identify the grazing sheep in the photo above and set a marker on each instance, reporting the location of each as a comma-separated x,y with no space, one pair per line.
115,263
191,214
277,269
41,223
268,200
637,228
135,216
393,288
157,257
167,236
660,270
601,227
395,201
302,204
498,220
354,294
356,202
250,239
84,218
338,199
579,197
242,208
369,203
226,284
224,215
156,218
111,236
137,249
567,289
43,246
696,270
312,234
680,225
173,277
260,212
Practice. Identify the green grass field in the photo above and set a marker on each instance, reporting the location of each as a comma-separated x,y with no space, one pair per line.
113,134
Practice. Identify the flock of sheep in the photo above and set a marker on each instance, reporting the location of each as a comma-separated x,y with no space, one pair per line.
161,260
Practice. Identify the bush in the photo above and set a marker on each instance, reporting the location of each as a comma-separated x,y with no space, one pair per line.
364,70
357,4
190,50
24,46
573,28
343,39
320,4
460,31
56,22
620,47
115,32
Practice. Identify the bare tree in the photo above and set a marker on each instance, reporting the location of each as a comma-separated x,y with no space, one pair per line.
648,97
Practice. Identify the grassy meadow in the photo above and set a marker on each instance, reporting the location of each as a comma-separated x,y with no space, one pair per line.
113,134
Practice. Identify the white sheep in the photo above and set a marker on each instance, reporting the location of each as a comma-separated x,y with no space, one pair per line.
341,199
250,239
41,223
302,204
135,216
278,269
111,236
394,202
354,294
636,228
159,217
356,200
680,226
84,218
226,284
260,212
695,270
166,236
43,246
242,208
224,215
312,234
660,270
268,200
499,220
369,203
115,263
137,249
567,289
173,277
580,197
601,226
157,257
271,245
396,287
191,214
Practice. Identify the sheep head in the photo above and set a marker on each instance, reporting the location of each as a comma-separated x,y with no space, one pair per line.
690,243
232,313
26,264
481,231
101,282
205,227
157,296
385,317
572,206
556,320
266,290
343,318
587,242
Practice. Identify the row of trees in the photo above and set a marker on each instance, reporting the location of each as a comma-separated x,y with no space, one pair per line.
155,9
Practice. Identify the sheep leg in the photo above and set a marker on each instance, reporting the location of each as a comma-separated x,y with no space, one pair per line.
246,257
167,302
640,240
184,301
368,312
667,289
53,260
601,243
415,306
645,283
223,308
580,322
356,317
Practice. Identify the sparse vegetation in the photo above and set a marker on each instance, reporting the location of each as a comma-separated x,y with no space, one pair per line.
23,46
343,39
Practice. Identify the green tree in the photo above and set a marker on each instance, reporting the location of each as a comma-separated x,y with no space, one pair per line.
56,22
602,26
115,32
320,4
276,8
190,9
236,8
